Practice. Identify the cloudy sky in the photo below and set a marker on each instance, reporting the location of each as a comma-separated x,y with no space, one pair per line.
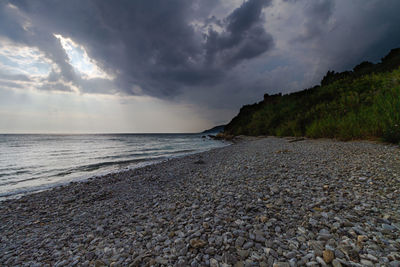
173,65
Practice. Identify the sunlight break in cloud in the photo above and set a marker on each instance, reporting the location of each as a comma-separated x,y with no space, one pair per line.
80,60
15,59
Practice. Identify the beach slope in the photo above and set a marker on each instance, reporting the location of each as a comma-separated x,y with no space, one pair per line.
259,202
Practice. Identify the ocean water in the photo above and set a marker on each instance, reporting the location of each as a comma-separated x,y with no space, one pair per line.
31,163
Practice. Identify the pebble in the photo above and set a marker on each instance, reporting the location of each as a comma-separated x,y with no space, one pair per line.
214,263
248,245
247,206
320,261
239,242
328,256
336,263
197,243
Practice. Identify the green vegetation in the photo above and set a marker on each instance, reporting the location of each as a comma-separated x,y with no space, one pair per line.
359,104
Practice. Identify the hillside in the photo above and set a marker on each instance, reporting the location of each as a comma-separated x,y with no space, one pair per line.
216,129
358,104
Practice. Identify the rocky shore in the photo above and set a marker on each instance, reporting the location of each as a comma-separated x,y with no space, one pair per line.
259,202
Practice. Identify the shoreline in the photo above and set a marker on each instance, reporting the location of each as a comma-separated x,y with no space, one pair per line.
259,202
142,163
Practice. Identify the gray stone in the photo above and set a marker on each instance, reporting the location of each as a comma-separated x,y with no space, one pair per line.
336,263
214,263
291,255
239,242
248,245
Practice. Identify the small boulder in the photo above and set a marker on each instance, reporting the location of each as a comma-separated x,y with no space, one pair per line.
197,243
328,256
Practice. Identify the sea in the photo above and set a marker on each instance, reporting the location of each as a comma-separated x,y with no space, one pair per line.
35,162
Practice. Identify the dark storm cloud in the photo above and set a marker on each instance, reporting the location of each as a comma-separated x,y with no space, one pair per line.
151,44
344,33
381,20
317,13
204,51
244,36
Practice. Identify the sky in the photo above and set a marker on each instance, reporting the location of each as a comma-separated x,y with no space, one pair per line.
90,66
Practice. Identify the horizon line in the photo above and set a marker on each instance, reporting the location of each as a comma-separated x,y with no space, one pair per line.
94,133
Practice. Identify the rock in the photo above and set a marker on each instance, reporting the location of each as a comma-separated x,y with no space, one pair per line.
137,261
316,246
313,222
320,261
161,260
218,240
339,254
328,256
350,252
108,252
388,227
371,257
293,262
61,263
259,237
99,263
255,257
336,263
281,264
239,264
197,243
361,239
214,263
228,258
291,255
239,242
366,263
247,206
181,263
139,228
248,245
243,253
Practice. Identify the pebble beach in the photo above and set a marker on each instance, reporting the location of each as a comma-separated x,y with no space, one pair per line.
259,202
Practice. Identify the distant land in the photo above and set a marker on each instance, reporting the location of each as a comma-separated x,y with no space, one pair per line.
363,103
214,130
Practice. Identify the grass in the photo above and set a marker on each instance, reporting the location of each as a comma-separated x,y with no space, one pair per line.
350,108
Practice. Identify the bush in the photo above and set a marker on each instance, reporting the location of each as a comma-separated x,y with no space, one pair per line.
347,106
392,134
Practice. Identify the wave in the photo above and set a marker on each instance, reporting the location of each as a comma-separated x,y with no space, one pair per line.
82,168
182,151
65,153
95,166
65,158
13,173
